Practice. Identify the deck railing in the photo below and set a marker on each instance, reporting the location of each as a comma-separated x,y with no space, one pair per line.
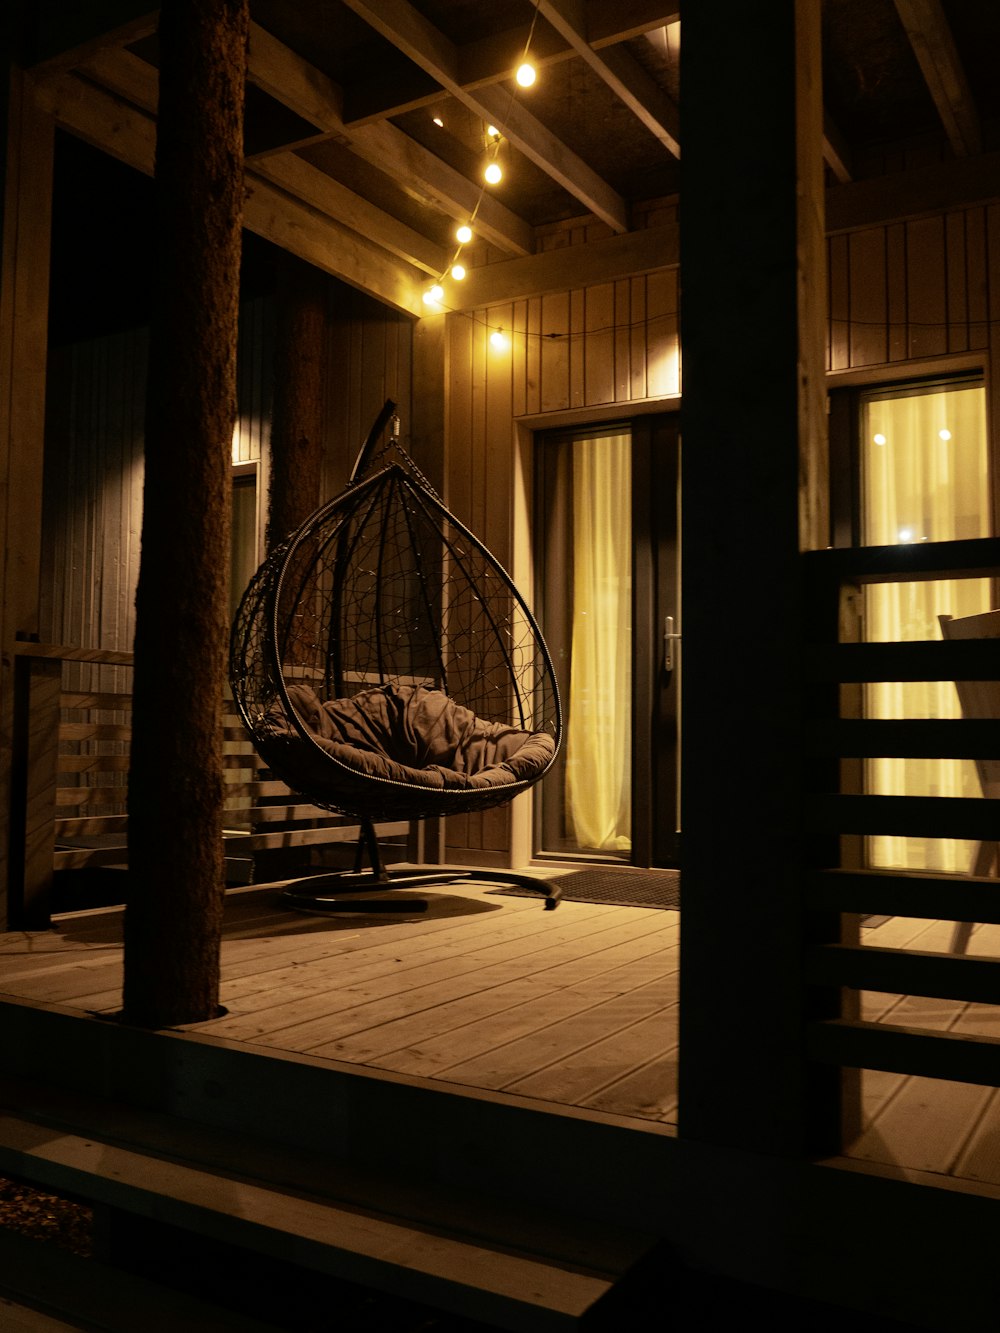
839,817
72,736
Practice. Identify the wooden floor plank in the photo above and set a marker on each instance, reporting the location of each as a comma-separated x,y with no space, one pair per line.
649,1092
299,1023
452,1017
583,1073
504,1065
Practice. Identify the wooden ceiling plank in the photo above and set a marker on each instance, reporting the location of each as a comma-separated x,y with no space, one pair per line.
123,33
619,69
427,47
430,181
129,134
491,59
320,191
285,76
934,46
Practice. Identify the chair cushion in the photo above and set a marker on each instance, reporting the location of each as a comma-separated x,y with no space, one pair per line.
420,736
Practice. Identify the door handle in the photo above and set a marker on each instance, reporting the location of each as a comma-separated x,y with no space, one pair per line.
669,639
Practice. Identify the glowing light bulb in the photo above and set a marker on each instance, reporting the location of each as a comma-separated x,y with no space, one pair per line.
497,340
493,173
525,74
438,122
458,272
464,234
906,534
944,434
879,438
492,132
434,294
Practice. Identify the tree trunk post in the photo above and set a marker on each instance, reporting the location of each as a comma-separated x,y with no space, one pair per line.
297,421
173,918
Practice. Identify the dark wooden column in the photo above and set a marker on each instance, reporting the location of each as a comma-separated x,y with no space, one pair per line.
753,485
174,912
26,191
297,419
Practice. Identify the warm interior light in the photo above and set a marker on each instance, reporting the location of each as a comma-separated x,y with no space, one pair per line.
492,132
525,74
498,340
906,534
879,438
493,173
458,272
464,234
438,122
434,294
944,434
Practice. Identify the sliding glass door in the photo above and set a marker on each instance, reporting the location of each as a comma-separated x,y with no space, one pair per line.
606,554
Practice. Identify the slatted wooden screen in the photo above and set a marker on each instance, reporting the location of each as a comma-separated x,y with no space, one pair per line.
829,812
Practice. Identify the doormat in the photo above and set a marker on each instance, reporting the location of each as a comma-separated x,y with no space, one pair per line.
614,886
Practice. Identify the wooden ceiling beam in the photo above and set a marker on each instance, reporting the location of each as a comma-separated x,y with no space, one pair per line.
619,69
400,23
67,47
837,152
128,133
308,92
934,46
609,259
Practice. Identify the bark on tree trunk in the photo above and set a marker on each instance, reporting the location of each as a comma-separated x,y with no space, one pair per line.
174,913
297,419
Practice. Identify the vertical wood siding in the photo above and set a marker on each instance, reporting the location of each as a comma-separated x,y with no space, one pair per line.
94,450
910,290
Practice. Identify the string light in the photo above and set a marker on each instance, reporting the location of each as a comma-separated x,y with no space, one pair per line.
525,76
498,340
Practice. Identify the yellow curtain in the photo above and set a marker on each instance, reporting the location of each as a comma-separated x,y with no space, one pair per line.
925,479
599,732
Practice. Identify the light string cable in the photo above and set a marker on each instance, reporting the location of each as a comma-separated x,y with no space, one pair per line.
435,292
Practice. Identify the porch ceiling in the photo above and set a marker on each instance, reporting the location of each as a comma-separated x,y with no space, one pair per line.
345,153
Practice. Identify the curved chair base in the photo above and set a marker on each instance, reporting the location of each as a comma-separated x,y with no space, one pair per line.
352,890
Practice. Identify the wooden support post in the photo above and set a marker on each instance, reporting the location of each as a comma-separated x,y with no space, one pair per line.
24,298
753,484
38,688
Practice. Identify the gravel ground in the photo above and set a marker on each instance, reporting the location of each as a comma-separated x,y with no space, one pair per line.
45,1217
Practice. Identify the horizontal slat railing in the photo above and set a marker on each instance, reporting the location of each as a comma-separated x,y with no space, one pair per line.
903,893
73,804
840,817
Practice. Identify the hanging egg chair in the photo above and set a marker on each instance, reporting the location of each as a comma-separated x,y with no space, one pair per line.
387,668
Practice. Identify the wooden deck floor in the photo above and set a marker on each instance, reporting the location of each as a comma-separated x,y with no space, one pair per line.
573,1008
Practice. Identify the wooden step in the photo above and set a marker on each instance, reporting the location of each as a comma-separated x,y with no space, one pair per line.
471,1256
47,1290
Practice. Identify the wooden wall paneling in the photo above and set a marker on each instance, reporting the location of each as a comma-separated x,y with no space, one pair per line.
637,338
623,340
956,278
498,440
838,267
520,356
599,367
458,424
867,282
555,352
927,287
533,353
663,341
897,297
577,347
977,277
